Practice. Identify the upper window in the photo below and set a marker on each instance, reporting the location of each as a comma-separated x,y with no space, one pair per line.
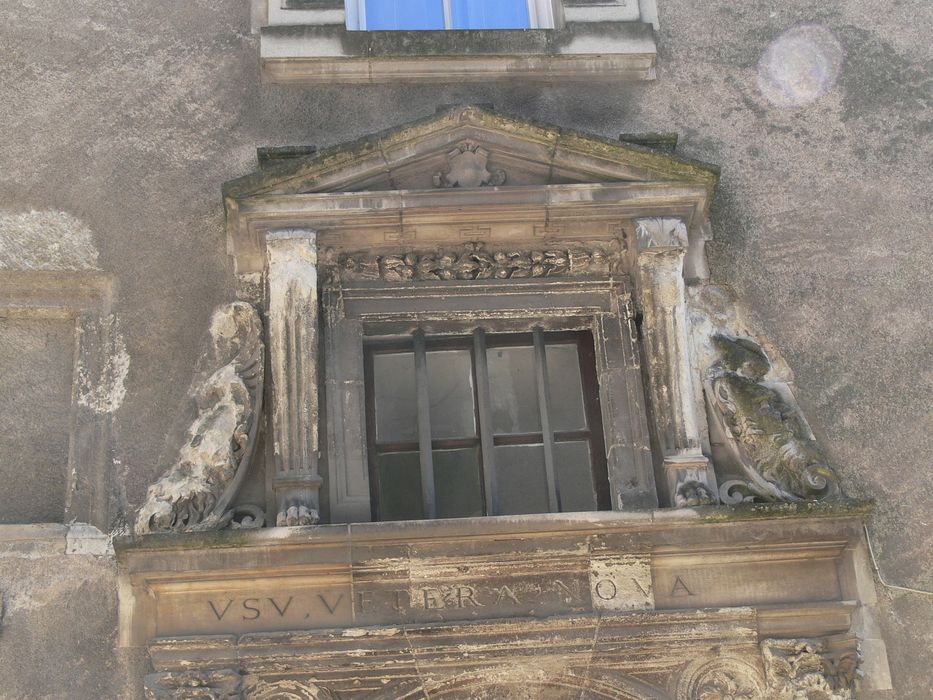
484,425
374,15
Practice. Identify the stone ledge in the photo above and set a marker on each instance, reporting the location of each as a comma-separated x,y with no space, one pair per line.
52,539
327,54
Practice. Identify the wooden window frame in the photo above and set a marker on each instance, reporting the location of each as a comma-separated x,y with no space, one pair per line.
541,15
477,343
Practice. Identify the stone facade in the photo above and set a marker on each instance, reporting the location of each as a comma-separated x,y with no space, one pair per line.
119,136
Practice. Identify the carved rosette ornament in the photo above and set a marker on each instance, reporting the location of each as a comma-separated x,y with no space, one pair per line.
222,684
466,167
778,456
721,679
475,262
807,669
286,689
196,492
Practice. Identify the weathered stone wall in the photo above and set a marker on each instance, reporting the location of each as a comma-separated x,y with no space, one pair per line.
127,117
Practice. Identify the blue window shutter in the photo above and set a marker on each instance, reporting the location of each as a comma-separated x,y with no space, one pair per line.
404,14
490,14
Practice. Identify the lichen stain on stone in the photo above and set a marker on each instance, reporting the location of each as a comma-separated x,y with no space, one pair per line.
103,392
45,240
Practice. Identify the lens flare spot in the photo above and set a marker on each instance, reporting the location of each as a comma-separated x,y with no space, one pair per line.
800,66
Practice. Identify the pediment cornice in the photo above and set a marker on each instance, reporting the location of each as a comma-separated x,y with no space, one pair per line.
514,171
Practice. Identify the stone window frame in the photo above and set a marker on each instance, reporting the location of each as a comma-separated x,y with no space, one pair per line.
598,304
85,299
306,42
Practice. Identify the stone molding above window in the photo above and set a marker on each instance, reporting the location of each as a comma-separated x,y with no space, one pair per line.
306,42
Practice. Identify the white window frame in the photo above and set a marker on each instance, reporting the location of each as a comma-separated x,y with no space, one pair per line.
540,14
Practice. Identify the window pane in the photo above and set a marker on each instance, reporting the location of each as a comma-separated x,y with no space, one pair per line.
565,387
404,14
521,479
513,390
457,483
490,14
394,394
400,486
450,392
574,476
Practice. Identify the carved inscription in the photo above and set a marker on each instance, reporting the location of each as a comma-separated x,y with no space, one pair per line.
621,582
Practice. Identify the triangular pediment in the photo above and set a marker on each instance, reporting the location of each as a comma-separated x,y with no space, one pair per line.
514,152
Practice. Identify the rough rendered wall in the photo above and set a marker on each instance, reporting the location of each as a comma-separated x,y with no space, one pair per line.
128,116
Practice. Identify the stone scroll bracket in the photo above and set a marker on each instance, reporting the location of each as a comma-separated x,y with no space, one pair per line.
292,280
685,474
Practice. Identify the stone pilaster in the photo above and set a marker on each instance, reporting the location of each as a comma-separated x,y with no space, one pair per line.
687,473
293,344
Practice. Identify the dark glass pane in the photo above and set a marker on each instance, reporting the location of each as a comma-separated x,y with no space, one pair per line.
400,486
521,479
574,476
450,391
513,390
404,14
395,397
489,14
457,483
565,387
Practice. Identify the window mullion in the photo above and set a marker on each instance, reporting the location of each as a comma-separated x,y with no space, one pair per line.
485,422
544,404
424,427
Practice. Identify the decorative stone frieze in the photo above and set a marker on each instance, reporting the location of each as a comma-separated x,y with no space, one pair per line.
197,491
805,669
475,262
224,684
293,343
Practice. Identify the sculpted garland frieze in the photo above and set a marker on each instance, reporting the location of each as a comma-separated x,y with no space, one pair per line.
197,491
476,262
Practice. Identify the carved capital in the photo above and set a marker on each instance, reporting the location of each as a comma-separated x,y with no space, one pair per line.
811,669
225,684
660,232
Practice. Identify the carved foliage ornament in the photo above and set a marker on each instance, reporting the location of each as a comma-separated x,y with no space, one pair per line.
466,167
474,262
778,456
196,492
806,669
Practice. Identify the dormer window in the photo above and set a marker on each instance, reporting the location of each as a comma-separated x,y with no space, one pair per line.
373,15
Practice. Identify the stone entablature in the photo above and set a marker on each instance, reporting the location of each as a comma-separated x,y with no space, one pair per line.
306,42
389,610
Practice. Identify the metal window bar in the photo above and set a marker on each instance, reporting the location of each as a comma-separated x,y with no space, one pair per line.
424,427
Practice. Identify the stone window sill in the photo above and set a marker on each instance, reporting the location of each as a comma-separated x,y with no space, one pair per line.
328,53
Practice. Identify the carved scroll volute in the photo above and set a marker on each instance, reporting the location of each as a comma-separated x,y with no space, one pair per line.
779,459
686,472
196,492
293,344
